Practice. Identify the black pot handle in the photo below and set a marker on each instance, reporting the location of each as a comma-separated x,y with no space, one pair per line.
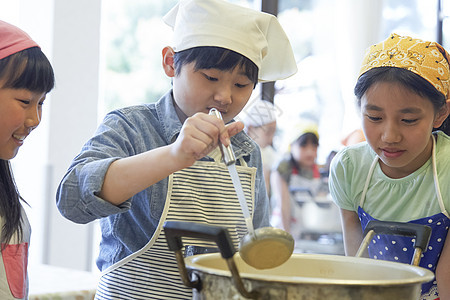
422,234
174,230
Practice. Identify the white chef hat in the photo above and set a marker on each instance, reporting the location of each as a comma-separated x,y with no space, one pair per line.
254,34
258,113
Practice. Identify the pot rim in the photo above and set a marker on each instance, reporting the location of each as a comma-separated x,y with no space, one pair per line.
419,274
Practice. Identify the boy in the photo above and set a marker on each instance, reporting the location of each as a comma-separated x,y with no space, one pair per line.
157,162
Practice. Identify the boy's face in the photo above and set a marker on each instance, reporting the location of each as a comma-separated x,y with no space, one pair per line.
200,90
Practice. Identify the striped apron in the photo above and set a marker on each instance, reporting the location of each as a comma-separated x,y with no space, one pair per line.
202,193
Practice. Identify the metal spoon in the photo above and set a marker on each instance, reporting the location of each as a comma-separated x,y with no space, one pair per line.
265,247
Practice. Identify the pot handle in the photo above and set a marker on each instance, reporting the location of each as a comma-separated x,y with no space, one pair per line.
422,234
174,230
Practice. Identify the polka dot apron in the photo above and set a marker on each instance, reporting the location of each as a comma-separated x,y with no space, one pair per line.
400,248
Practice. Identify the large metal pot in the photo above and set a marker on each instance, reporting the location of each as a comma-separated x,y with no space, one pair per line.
303,276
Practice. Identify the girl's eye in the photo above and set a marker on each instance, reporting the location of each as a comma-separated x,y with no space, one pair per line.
409,121
373,118
210,78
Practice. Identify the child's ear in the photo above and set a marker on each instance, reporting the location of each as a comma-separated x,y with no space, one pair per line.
167,61
442,114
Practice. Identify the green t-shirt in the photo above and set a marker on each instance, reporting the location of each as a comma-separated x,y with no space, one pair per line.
404,199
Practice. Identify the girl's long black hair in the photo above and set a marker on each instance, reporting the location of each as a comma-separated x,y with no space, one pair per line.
28,69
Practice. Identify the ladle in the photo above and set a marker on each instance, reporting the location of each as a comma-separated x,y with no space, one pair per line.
265,247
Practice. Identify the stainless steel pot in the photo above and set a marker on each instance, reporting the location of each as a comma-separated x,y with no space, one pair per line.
303,276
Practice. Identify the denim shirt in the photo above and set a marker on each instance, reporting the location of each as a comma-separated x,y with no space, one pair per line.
125,132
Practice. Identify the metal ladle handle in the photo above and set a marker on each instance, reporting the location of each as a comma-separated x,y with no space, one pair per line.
227,152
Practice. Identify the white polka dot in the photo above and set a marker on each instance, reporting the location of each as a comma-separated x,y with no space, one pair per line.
439,223
386,248
373,241
405,249
439,240
430,266
378,237
375,257
430,221
413,241
430,247
394,242
395,257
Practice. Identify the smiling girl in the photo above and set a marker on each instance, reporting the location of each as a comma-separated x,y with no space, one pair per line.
26,76
400,174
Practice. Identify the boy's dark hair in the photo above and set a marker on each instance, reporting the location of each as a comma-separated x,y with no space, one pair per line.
217,58
408,79
28,69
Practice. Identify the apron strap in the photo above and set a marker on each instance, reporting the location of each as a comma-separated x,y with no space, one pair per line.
435,177
369,177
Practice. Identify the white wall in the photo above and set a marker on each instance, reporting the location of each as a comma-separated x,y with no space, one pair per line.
74,117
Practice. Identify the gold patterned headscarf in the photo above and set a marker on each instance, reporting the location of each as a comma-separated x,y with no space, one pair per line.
426,59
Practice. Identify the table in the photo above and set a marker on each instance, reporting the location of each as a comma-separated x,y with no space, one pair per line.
56,283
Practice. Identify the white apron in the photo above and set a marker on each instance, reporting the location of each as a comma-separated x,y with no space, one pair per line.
202,193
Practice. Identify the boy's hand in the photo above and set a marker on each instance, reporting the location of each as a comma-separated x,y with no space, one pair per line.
200,135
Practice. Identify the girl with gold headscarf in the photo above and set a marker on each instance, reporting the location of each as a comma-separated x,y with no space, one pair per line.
399,174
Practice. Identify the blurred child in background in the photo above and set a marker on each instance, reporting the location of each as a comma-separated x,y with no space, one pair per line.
296,172
259,118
